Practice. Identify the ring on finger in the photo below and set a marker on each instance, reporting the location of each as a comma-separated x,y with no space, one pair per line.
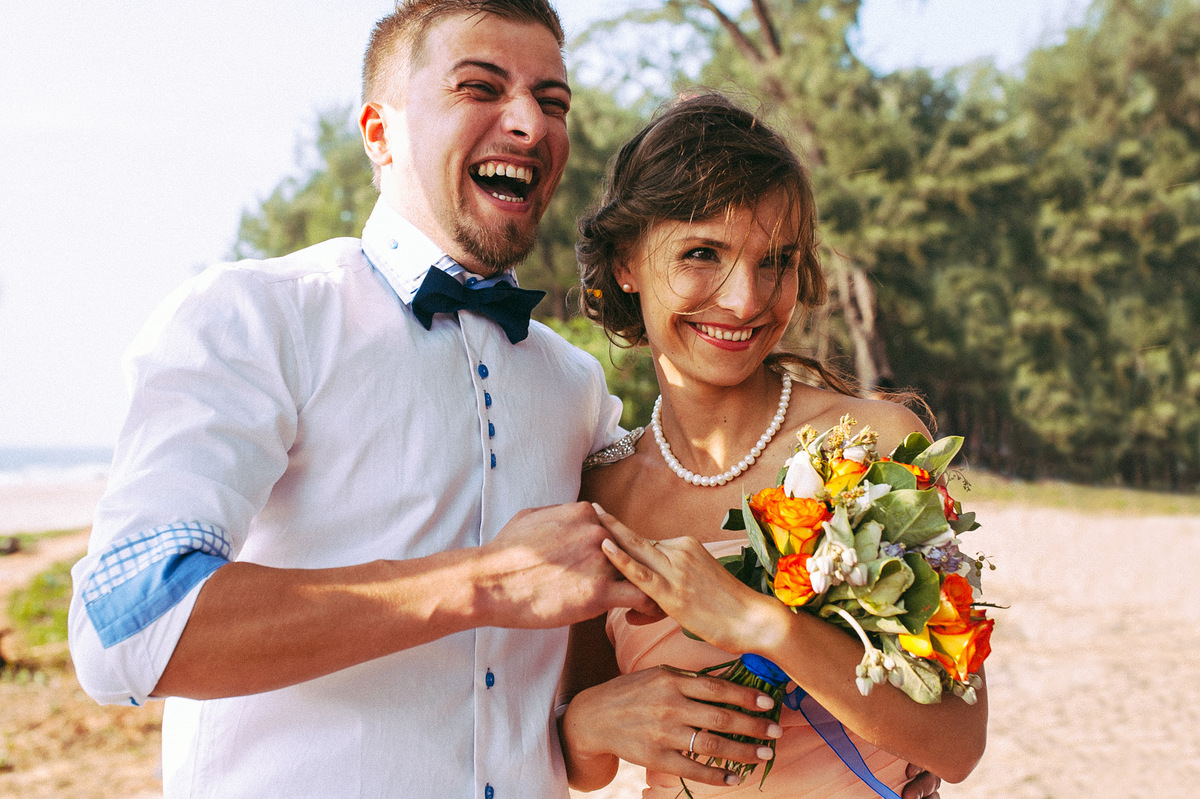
692,743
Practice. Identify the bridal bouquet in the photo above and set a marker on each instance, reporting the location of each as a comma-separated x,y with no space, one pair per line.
869,543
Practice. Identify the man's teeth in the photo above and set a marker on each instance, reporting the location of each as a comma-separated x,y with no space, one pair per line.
493,168
725,334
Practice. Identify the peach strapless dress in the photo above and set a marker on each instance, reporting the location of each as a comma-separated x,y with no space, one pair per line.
805,766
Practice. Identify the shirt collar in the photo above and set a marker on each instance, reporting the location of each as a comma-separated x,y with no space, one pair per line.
403,254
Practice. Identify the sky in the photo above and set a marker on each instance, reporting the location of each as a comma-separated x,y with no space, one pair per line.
134,134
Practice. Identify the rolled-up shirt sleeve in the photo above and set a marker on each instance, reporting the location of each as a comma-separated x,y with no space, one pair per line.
214,381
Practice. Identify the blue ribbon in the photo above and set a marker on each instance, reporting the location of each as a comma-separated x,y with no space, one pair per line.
834,734
765,670
829,728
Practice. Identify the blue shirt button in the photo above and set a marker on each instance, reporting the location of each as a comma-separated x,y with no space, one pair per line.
489,679
487,400
471,281
483,372
493,460
488,792
491,430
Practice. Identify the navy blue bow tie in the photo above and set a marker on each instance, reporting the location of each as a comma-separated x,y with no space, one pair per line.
505,304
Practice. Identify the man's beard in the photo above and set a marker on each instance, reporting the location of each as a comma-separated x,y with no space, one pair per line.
496,250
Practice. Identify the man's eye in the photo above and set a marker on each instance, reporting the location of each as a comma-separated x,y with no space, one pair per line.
554,107
482,90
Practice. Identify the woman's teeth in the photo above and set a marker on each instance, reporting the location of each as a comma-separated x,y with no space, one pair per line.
725,334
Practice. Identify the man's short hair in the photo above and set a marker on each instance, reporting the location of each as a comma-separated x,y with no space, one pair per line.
397,41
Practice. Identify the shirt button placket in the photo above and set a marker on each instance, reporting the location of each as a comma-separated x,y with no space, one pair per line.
482,371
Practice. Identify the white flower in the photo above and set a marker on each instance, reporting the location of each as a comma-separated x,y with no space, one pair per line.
870,493
801,480
856,453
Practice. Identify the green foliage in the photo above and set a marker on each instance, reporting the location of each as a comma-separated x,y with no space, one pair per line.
1022,249
39,612
597,128
333,198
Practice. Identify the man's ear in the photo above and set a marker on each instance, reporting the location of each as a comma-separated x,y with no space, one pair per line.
374,134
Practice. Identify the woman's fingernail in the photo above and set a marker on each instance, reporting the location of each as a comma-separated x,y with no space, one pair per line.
765,702
774,731
765,753
732,779
596,507
608,546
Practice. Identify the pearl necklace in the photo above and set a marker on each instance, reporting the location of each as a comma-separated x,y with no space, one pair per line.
733,471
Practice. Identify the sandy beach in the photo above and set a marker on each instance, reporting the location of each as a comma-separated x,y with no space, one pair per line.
1094,680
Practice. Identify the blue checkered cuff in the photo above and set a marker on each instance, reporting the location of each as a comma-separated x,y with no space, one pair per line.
143,576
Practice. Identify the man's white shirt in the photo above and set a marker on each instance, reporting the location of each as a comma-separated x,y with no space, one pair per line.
293,413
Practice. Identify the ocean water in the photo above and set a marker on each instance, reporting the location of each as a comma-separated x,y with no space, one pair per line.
19,465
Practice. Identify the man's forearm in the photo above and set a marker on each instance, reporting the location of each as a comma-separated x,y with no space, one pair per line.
255,628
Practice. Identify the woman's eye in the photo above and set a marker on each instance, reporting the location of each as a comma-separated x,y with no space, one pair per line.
701,254
779,262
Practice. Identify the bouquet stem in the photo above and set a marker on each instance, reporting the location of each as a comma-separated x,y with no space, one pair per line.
735,671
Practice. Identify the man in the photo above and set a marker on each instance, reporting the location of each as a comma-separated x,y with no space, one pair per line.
335,520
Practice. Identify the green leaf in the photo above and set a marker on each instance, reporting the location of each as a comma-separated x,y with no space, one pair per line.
761,542
923,596
886,624
912,446
733,520
745,567
838,528
866,541
909,517
921,679
880,609
938,455
892,474
887,580
965,523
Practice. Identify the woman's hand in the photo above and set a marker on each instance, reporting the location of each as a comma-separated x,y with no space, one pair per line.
693,588
653,717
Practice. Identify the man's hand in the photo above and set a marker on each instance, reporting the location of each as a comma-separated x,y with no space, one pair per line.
546,569
921,784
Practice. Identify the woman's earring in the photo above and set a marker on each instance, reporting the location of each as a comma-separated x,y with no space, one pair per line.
625,287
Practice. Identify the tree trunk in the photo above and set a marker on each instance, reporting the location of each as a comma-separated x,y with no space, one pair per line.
856,297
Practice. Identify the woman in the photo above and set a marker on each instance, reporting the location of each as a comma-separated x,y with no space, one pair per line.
702,247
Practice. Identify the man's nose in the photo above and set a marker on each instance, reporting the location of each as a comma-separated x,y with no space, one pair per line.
524,119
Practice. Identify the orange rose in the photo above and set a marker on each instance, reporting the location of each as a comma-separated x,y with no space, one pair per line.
844,473
794,522
963,653
954,636
792,584
953,614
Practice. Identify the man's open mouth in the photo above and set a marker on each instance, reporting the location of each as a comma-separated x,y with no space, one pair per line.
504,181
